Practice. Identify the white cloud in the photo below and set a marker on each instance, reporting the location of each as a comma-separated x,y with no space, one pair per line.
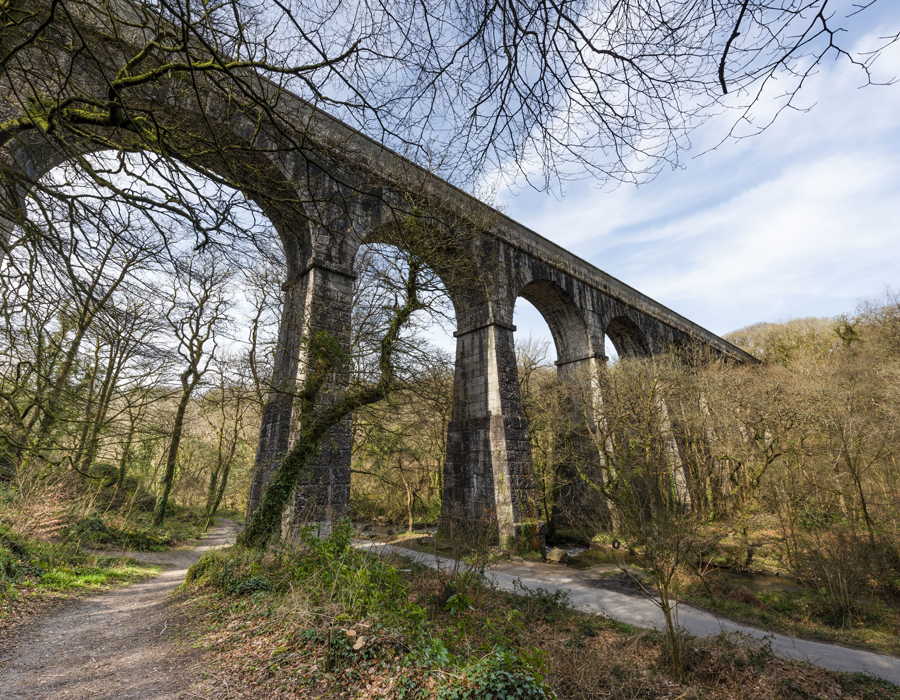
801,220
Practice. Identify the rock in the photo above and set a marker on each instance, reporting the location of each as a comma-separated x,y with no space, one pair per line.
426,541
557,556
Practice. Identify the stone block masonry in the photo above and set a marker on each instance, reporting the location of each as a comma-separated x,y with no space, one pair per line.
327,189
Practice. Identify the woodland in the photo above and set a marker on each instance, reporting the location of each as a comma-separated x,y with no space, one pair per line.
132,421
142,285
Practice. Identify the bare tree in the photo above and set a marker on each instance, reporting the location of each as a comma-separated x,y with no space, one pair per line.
611,89
402,293
399,448
197,311
224,409
548,404
651,516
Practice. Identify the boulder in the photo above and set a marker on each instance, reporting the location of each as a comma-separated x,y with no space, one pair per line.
557,556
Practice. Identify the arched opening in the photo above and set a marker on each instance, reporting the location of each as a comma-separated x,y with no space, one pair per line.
140,293
609,349
535,355
636,390
557,403
627,338
557,309
539,396
186,182
399,444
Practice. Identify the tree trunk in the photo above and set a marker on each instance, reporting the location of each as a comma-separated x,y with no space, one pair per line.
211,491
126,455
172,458
220,493
410,502
107,387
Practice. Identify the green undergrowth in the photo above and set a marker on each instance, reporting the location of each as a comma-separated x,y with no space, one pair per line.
360,609
238,516
31,567
874,624
136,531
321,619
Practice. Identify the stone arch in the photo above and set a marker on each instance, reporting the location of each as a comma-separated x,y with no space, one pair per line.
316,220
448,255
631,341
281,200
369,298
627,337
575,500
264,181
563,317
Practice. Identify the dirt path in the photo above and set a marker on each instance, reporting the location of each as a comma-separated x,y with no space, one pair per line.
112,644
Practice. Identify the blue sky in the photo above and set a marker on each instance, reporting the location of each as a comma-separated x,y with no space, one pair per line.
801,220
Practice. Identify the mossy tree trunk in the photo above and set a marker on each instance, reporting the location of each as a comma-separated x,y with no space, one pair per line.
317,418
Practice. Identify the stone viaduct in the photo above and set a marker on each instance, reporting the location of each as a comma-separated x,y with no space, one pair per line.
329,189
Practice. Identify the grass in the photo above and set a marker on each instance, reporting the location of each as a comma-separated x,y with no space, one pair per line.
27,563
238,516
875,626
320,619
36,574
81,577
54,561
136,532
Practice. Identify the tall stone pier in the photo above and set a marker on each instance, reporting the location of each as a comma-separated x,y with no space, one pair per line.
328,189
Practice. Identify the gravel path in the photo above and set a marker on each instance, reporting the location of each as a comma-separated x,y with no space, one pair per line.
588,593
112,644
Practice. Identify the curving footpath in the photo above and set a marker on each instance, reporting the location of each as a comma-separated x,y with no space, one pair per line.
639,611
112,644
